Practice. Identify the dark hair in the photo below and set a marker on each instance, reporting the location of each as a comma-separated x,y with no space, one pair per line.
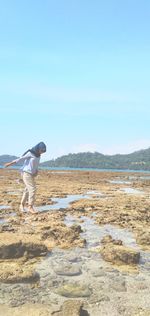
36,149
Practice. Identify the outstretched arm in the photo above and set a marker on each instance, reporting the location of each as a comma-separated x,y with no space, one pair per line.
21,159
8,164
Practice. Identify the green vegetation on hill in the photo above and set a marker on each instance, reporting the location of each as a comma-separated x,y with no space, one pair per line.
139,160
6,158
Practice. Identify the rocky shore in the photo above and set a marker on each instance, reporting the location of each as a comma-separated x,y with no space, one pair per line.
87,257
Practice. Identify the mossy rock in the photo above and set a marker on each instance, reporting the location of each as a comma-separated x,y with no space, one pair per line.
73,290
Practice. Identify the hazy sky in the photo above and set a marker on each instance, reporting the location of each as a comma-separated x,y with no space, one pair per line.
74,74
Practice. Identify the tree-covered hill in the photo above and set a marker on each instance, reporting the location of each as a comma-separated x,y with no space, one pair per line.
138,160
6,158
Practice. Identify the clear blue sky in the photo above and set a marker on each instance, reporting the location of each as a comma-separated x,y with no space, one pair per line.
74,74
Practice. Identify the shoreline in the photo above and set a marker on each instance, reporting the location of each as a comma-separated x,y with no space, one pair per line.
84,169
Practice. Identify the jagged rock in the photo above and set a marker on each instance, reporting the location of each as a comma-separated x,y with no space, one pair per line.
16,252
26,310
16,272
119,254
108,239
73,308
143,238
14,246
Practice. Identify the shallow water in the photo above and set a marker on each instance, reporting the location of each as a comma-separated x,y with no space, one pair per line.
94,193
2,221
3,207
94,272
93,233
119,182
18,192
145,178
5,220
65,201
132,191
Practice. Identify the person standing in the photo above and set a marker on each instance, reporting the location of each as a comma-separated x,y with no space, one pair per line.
30,160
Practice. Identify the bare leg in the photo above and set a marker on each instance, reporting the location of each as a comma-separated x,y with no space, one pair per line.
24,200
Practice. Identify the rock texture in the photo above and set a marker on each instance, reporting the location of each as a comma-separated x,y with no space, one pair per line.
113,251
46,258
73,290
73,308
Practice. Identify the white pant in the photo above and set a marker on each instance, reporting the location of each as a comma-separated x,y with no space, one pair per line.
30,189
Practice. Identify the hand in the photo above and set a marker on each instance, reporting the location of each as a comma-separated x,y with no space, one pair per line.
7,164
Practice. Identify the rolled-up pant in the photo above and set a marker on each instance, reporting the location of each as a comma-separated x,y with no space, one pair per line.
30,188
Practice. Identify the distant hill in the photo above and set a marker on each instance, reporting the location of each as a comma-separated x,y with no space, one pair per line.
6,158
138,160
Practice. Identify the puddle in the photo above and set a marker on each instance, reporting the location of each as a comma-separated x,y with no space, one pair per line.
119,182
86,259
93,233
65,201
93,192
95,195
2,221
145,178
4,207
6,220
135,178
61,202
19,192
132,191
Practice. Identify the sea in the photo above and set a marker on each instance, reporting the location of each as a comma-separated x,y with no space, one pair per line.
83,169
